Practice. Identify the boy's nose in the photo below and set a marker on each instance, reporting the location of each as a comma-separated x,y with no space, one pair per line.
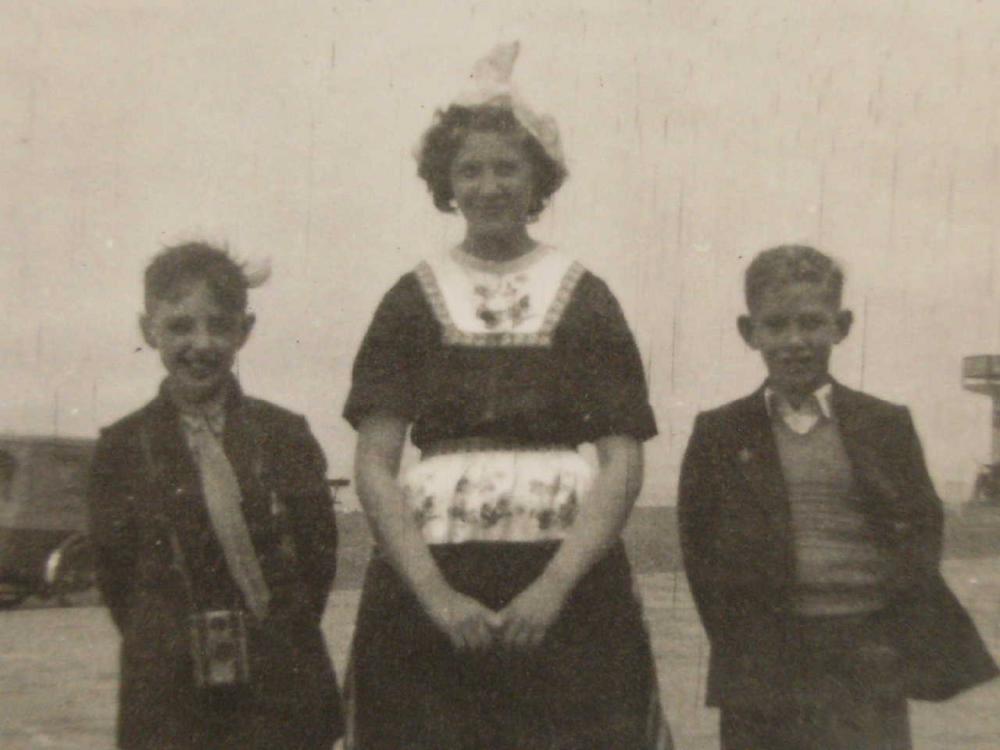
201,339
794,336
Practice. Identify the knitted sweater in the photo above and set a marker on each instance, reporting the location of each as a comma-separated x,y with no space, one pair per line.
839,569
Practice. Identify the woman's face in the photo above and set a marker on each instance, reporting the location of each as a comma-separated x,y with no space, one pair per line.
493,182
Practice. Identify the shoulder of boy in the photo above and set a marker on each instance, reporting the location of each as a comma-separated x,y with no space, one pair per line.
125,425
267,412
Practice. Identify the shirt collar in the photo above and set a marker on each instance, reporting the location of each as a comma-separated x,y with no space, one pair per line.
823,394
211,414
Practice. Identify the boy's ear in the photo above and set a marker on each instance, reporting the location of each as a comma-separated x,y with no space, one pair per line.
845,319
745,325
146,326
249,319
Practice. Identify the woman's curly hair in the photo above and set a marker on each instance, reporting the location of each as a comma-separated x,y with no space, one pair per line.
446,135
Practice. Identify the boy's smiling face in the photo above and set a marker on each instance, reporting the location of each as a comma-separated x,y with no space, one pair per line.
197,340
794,327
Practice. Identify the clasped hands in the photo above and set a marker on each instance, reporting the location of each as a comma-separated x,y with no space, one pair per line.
522,624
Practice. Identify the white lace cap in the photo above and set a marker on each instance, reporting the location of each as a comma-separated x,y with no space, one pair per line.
492,86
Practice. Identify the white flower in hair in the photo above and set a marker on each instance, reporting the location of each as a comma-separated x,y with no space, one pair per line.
256,273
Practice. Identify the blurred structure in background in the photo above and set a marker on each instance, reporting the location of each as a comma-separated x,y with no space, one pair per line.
43,519
981,374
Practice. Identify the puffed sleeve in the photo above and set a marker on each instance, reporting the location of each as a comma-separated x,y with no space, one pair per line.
385,375
614,398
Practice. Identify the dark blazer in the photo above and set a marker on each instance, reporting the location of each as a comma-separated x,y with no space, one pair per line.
144,485
734,522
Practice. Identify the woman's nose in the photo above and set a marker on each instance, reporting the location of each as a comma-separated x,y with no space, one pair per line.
489,184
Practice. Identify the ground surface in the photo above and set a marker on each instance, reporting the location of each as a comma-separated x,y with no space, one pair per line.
58,671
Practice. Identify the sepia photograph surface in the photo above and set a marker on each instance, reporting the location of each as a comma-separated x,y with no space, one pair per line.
694,135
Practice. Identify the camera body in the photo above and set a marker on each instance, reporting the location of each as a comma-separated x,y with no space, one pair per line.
219,648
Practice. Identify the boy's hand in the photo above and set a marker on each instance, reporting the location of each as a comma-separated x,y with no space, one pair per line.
527,619
468,624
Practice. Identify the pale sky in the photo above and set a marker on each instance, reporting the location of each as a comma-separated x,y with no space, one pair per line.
697,134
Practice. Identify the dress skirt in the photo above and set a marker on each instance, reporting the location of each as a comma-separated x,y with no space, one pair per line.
590,685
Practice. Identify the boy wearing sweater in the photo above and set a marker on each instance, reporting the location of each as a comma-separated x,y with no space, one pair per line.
811,535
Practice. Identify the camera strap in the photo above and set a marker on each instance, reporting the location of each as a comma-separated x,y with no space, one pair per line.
222,495
180,565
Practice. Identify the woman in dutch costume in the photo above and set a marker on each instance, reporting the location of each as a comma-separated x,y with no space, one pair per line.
498,610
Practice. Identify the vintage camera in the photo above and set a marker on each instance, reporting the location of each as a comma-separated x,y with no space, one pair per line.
219,649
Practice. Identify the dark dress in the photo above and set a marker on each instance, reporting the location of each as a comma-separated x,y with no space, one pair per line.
144,485
591,683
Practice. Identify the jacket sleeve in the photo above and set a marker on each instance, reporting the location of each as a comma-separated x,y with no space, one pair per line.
311,517
927,530
112,528
697,513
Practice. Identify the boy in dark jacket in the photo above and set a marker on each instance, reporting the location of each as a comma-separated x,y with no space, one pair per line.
811,535
215,537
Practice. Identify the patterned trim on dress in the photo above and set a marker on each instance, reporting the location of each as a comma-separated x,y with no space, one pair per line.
497,496
453,336
481,444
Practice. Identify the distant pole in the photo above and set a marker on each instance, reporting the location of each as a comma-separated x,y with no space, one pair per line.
55,412
93,403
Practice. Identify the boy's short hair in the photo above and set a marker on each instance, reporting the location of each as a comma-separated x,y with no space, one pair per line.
175,268
790,264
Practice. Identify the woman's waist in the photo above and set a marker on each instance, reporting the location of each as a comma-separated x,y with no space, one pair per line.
480,491
490,444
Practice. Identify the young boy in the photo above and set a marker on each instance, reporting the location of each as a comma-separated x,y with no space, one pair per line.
811,536
215,539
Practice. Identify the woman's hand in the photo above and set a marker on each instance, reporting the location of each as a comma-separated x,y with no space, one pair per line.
527,619
469,625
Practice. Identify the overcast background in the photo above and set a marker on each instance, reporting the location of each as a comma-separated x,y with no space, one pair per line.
697,132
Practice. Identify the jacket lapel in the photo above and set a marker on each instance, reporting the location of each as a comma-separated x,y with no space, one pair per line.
173,467
241,443
171,464
757,456
862,438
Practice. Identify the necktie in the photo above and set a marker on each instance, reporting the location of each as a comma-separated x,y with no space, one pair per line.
804,418
223,498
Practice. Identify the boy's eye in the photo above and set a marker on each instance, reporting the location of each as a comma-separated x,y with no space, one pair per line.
811,322
467,170
775,323
507,168
221,326
178,326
